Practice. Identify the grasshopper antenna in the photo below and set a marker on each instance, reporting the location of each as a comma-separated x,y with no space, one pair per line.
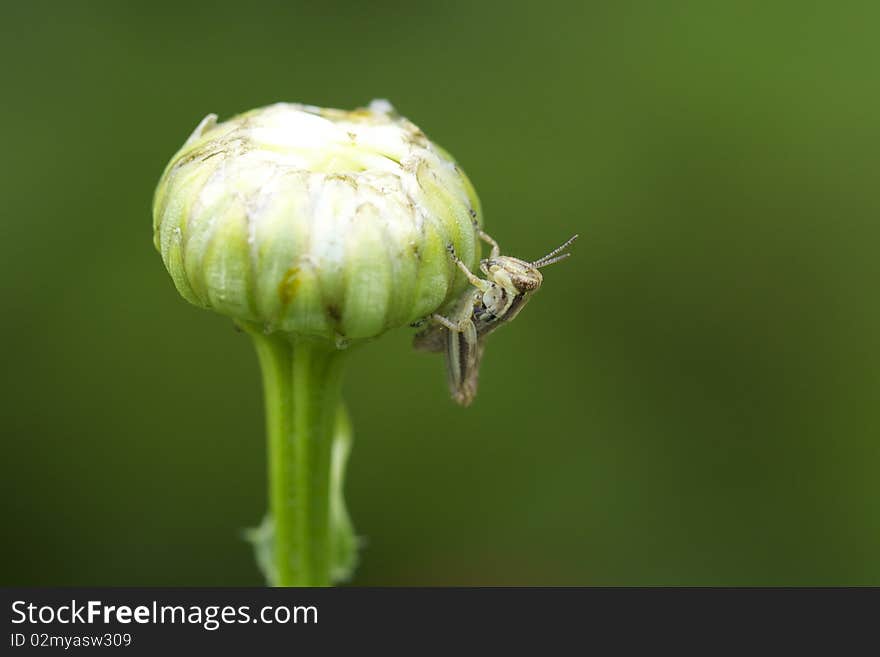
549,259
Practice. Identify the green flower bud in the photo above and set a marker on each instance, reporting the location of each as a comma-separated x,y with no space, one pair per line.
315,222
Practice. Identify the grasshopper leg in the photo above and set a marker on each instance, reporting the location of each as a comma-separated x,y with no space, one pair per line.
496,250
483,235
476,281
452,326
462,358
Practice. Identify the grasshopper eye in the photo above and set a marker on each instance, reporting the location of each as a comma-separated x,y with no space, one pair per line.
528,282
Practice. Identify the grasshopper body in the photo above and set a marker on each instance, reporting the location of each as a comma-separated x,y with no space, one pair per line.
493,301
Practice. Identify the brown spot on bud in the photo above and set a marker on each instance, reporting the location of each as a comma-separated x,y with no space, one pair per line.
289,285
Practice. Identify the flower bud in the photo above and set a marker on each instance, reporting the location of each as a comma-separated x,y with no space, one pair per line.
317,222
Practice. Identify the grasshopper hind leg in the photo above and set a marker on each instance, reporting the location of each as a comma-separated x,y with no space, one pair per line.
456,336
462,361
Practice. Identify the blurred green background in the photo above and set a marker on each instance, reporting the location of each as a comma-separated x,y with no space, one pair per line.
691,399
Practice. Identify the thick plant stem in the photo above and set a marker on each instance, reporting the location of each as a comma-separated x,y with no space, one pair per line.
307,443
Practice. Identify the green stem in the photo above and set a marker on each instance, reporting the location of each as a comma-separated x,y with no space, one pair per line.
308,540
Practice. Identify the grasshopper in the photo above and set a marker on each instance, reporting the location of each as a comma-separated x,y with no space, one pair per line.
494,301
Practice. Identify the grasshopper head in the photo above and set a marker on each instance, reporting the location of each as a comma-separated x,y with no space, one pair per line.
512,281
519,276
512,274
